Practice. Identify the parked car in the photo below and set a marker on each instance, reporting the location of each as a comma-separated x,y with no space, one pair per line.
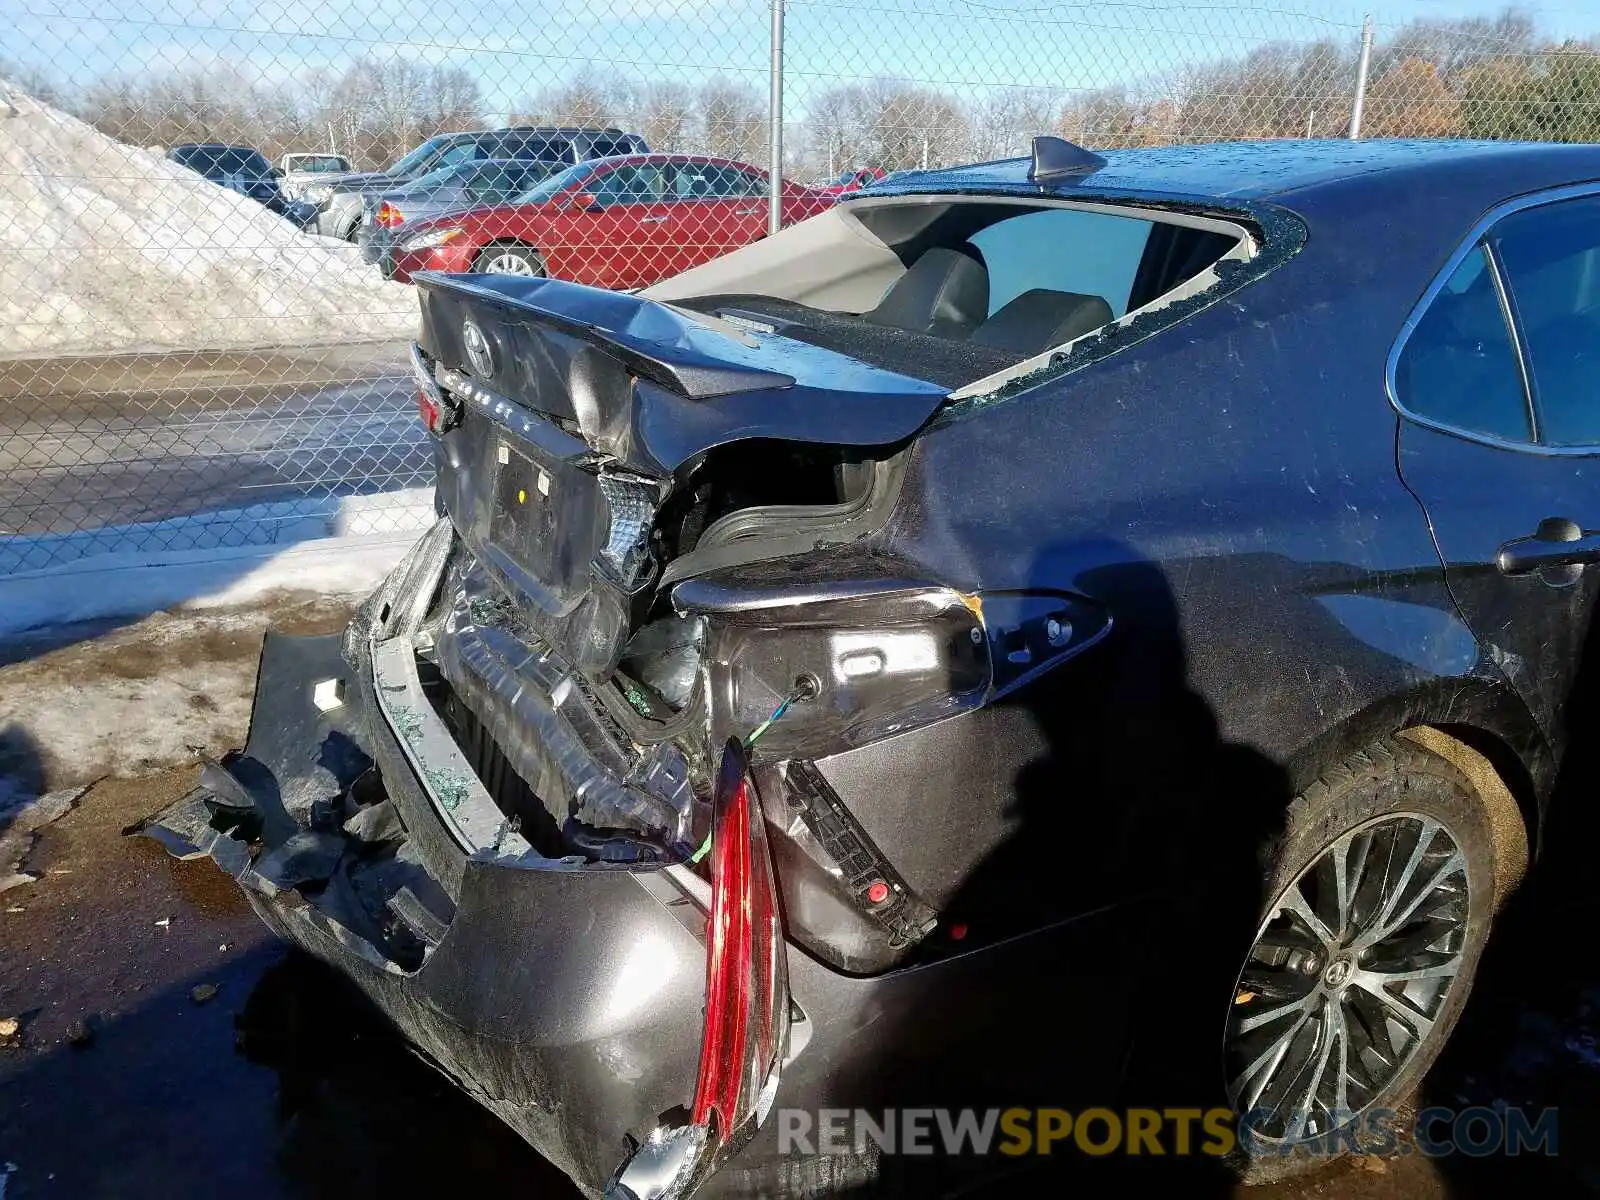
390,215
616,222
341,199
854,181
1047,626
237,168
300,170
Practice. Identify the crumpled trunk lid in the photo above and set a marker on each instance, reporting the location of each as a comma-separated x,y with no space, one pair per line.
654,385
571,409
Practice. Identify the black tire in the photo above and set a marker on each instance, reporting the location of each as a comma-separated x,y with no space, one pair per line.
495,253
1385,790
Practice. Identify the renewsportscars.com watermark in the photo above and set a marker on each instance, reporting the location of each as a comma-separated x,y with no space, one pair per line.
1436,1132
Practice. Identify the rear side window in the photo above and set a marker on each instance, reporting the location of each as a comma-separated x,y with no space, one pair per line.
634,184
1063,250
495,180
542,149
1551,259
226,160
459,153
712,181
1458,366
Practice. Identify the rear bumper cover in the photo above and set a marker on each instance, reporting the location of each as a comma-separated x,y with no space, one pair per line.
568,997
566,1000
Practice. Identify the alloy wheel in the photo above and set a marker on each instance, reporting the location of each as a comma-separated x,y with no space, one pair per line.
1354,962
510,264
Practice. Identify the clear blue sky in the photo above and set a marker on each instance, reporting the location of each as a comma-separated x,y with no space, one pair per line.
517,46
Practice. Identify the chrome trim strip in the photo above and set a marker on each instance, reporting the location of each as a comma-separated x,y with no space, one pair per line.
1513,323
703,596
1469,243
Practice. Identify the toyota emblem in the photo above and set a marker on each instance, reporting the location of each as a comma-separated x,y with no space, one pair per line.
479,356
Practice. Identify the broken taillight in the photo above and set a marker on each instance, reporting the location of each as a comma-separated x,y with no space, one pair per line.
389,216
437,411
746,977
747,1004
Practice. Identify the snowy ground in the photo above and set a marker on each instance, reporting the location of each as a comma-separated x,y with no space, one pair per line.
105,246
81,701
130,571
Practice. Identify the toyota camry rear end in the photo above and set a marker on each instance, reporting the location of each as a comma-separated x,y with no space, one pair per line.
793,690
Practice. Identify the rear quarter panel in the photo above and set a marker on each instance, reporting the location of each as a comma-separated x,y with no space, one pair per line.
1227,491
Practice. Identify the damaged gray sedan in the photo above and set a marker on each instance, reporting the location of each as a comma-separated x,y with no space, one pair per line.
972,649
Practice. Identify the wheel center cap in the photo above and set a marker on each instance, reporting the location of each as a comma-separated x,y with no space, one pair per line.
1337,973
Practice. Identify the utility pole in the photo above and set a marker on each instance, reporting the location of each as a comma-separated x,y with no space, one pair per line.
1362,64
775,115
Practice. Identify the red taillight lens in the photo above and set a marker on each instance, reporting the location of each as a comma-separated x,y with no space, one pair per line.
428,410
747,1004
437,412
747,987
389,216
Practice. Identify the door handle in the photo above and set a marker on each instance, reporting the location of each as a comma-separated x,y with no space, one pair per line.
747,212
651,220
1558,542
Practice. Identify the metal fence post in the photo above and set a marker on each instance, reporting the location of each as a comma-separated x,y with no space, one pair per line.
1364,62
775,114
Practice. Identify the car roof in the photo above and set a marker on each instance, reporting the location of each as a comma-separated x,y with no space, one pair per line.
537,130
663,156
1267,170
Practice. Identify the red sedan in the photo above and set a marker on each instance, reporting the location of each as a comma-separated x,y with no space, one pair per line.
618,223
853,181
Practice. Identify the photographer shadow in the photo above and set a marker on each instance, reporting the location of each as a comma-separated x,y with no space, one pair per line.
1114,915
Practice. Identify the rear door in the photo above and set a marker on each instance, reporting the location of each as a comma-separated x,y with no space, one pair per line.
1498,379
629,226
720,207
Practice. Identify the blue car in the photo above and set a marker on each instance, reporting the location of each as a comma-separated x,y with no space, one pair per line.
237,168
1084,629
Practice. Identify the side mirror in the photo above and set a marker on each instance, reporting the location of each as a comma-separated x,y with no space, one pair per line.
584,202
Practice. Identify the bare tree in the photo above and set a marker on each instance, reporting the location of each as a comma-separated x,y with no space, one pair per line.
889,124
452,98
1411,100
35,81
1453,46
664,115
836,142
1005,120
585,100
733,121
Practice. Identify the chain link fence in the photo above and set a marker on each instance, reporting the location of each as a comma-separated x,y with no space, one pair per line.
203,315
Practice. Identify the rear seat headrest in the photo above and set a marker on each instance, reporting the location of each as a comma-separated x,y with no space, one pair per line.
944,292
1039,319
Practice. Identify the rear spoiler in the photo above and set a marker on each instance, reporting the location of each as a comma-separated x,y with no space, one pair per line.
679,351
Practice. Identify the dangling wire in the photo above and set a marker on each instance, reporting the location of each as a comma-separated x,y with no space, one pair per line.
805,688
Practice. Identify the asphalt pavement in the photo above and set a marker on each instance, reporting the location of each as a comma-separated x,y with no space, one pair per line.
168,1047
118,439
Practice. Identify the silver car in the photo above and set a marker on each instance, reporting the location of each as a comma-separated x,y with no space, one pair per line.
387,215
297,172
341,199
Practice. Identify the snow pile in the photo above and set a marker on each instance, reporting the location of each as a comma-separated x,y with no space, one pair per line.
339,546
105,246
